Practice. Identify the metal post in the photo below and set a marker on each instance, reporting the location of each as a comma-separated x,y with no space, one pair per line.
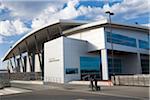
112,51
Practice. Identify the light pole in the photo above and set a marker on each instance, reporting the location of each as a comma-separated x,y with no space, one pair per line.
111,40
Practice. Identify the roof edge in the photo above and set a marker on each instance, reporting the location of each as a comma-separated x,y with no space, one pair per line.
104,21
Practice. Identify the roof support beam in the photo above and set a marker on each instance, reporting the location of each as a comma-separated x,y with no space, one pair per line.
38,51
60,29
11,65
22,64
15,61
47,33
29,58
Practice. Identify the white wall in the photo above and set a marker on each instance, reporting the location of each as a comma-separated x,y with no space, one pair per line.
28,65
95,37
37,64
73,49
53,61
60,54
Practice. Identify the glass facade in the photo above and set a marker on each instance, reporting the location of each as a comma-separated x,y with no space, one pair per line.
92,65
71,70
120,39
145,66
117,66
143,44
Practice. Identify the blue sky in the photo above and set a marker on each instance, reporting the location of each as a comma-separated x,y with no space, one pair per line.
18,17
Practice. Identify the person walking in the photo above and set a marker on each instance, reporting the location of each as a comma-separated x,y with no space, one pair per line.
91,81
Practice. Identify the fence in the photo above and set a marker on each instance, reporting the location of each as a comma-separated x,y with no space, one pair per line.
131,80
26,76
4,79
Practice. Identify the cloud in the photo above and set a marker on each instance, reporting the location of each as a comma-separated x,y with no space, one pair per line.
124,10
30,8
43,12
129,9
3,41
53,12
12,27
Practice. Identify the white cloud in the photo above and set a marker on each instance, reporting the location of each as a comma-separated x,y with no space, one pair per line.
43,12
31,8
52,12
129,9
14,27
3,41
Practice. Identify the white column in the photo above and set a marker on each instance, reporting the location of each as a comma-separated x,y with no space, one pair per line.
37,64
104,60
28,69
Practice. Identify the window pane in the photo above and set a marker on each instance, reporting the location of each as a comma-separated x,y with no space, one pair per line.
120,39
71,70
117,66
90,65
143,44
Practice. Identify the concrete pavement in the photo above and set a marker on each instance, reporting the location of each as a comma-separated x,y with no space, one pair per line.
53,94
133,92
13,90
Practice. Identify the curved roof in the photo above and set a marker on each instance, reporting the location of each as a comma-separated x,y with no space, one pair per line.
52,29
56,29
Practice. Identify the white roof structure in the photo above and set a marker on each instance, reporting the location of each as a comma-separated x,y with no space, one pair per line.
58,28
52,29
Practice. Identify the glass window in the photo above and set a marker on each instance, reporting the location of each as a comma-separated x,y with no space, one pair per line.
143,44
120,39
90,65
71,70
117,66
145,66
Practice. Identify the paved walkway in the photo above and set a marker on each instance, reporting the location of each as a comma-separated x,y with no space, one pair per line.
119,91
13,90
54,94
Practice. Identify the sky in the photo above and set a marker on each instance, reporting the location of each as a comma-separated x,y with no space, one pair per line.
18,17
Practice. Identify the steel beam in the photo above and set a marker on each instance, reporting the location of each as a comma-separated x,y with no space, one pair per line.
28,55
38,51
48,37
14,61
60,30
11,64
21,59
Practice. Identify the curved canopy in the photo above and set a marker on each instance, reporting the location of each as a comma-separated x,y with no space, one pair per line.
42,34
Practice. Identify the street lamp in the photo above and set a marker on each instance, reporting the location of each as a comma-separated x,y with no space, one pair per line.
111,40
